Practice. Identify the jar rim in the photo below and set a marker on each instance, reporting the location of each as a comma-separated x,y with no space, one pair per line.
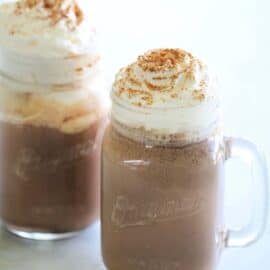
170,140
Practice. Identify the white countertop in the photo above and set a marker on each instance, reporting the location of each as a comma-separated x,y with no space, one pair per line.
83,253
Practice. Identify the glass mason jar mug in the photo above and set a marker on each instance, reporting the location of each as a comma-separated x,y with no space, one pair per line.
162,205
52,113
162,195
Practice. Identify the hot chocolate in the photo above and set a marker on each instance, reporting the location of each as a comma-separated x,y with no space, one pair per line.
52,113
162,167
49,179
159,199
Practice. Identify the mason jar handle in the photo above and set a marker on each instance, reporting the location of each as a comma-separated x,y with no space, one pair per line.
248,152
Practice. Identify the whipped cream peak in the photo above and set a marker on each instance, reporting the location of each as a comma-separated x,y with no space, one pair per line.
46,42
165,78
164,59
50,65
166,92
47,28
54,10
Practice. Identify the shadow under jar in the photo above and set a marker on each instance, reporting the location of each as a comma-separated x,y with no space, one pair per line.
162,205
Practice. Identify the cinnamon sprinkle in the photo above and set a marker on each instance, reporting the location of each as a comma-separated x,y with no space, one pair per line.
146,96
162,71
132,77
79,69
174,95
134,81
163,59
160,88
57,10
198,94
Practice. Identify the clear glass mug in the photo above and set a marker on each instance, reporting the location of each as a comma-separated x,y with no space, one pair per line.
162,204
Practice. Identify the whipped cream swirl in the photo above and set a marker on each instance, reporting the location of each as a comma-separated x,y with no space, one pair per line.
48,28
49,64
167,92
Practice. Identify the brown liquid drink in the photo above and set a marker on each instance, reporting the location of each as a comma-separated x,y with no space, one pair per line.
51,189
52,114
162,167
162,206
